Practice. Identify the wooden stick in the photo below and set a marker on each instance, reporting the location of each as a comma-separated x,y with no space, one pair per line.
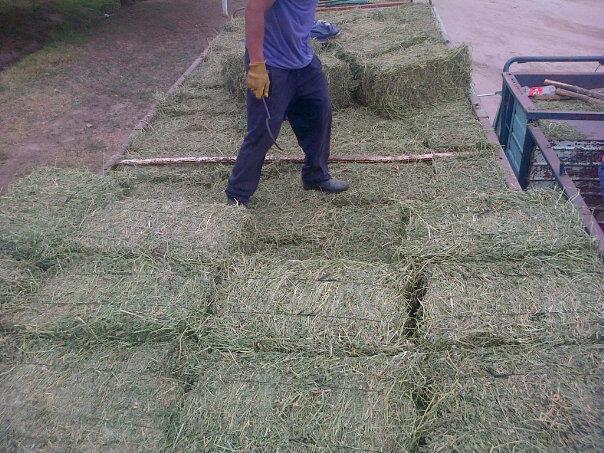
576,89
161,161
364,6
572,94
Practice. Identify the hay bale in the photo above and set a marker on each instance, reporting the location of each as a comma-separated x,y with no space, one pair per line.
275,402
318,306
166,227
502,399
16,278
43,209
367,222
401,62
398,83
351,232
506,226
370,185
479,304
131,299
55,399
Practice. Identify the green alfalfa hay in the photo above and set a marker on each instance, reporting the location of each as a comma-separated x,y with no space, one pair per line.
560,130
17,278
359,233
531,302
341,82
174,227
401,63
213,124
234,77
374,32
282,213
57,399
508,225
450,126
367,222
201,121
289,402
362,223
398,84
374,184
41,211
107,298
463,176
317,306
515,399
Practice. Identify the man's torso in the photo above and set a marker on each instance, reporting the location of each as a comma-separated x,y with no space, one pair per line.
287,33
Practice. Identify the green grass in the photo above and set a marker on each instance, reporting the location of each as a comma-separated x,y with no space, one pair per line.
50,19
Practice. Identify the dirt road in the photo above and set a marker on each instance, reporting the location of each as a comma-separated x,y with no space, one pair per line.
497,30
73,104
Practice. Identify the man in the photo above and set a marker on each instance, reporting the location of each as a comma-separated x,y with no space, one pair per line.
284,73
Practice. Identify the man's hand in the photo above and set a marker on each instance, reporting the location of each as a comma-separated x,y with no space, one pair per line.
257,80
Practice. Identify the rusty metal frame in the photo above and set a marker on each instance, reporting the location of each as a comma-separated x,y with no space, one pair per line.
515,82
567,185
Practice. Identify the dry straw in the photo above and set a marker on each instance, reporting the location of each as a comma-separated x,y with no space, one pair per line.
166,227
317,306
114,297
469,305
515,398
53,398
276,402
44,209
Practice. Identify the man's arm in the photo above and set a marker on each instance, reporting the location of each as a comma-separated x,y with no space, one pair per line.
254,28
257,77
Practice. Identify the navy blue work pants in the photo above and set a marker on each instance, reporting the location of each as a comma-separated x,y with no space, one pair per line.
301,96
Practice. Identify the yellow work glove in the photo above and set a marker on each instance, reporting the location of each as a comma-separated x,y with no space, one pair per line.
257,80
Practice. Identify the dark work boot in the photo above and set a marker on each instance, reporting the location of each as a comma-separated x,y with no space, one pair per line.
234,202
330,186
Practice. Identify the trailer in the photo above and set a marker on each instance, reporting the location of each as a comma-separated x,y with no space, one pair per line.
575,166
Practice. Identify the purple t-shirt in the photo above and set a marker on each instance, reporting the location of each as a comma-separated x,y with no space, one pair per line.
287,26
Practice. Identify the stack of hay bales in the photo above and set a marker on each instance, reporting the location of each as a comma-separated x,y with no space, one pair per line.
317,306
275,402
55,399
115,297
516,398
470,305
176,228
42,211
